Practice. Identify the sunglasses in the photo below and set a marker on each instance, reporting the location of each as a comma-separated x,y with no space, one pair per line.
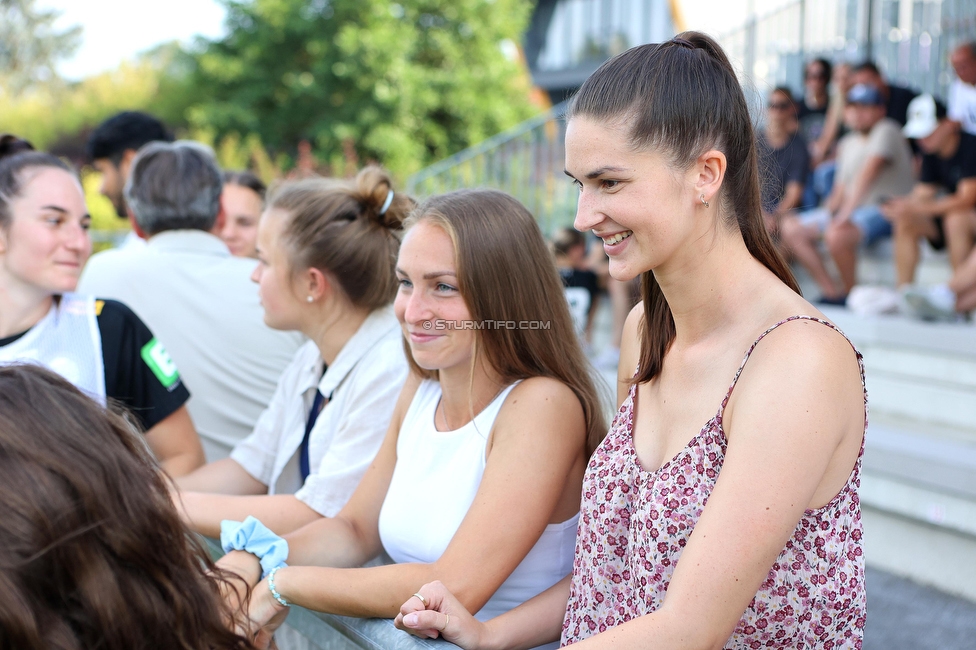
779,106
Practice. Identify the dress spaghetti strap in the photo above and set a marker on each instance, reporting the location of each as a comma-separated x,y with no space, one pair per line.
735,379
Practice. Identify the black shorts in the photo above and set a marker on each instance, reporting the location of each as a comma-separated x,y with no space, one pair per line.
939,241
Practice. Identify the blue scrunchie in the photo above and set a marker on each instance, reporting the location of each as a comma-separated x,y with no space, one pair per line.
256,538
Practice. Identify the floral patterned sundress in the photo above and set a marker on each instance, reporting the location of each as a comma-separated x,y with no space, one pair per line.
634,525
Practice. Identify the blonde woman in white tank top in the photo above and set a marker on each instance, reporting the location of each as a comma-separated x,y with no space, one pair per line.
493,429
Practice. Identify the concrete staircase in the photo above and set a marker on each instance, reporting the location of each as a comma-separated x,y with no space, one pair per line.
918,490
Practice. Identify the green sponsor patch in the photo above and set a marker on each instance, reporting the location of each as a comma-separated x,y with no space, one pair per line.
157,358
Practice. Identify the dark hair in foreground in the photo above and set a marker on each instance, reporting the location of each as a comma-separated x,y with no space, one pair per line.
16,159
680,99
122,132
336,226
92,551
506,273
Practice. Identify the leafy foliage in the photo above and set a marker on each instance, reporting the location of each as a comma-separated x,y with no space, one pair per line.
29,44
48,114
405,84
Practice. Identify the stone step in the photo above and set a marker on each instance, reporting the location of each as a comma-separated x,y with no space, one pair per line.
922,372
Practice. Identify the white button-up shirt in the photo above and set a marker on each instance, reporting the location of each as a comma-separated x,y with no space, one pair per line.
364,382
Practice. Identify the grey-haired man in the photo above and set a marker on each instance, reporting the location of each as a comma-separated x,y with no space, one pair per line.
196,297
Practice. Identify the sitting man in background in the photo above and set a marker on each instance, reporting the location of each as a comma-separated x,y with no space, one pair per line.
896,98
949,166
874,163
111,148
784,159
193,294
582,286
962,91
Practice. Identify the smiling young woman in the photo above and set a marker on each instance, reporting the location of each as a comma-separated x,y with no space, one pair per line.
101,346
721,510
494,425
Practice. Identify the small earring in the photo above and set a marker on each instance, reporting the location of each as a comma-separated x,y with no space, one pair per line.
704,202
309,299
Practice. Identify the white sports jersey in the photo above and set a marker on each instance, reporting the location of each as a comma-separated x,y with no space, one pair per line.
67,341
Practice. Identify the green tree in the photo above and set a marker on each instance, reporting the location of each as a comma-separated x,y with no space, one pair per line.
30,46
48,113
404,84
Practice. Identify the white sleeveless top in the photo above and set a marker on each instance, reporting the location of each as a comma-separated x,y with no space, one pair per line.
451,464
66,341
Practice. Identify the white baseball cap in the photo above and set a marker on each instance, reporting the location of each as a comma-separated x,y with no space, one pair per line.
923,117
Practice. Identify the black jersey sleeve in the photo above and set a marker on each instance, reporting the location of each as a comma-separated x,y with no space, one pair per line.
138,371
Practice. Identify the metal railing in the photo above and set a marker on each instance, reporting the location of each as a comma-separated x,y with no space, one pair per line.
526,161
909,39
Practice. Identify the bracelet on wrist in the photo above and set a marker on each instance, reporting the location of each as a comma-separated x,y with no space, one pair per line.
274,590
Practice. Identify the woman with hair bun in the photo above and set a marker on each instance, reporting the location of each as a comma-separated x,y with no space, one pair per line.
493,427
93,554
721,510
101,346
326,250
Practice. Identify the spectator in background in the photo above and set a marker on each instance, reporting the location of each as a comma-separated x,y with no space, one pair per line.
822,149
623,296
946,302
823,163
812,108
197,297
243,202
949,166
785,161
111,148
896,98
874,163
582,285
962,92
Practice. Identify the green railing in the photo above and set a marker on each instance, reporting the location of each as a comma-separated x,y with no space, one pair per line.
526,161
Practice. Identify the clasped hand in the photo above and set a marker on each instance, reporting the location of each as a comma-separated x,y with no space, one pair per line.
444,616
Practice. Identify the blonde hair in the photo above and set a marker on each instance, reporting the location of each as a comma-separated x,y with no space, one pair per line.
339,227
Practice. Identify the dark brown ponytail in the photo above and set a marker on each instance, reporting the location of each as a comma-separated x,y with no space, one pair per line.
682,98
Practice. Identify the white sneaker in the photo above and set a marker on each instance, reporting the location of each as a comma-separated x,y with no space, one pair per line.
936,303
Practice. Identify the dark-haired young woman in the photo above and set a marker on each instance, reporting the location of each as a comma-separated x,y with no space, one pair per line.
721,510
92,552
101,346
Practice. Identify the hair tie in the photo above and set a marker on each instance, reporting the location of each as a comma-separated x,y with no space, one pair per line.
387,202
677,40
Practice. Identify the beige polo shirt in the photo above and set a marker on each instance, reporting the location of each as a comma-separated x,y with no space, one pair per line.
200,302
885,140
